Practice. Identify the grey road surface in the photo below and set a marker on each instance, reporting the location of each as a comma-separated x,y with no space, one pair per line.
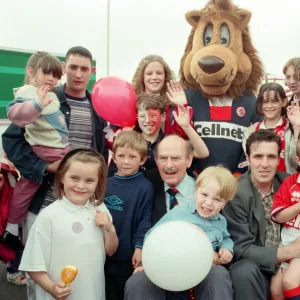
10,291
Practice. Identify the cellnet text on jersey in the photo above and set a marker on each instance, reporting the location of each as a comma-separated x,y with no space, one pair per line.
220,130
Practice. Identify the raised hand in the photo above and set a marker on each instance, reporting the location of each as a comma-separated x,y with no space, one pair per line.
182,118
42,94
175,93
293,113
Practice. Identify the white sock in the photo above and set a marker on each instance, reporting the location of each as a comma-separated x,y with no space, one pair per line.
13,228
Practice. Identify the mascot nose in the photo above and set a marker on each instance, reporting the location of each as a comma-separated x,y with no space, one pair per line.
210,64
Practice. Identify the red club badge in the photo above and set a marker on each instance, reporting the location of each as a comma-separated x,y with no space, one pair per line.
240,111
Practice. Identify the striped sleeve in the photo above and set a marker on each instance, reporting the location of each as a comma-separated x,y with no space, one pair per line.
25,108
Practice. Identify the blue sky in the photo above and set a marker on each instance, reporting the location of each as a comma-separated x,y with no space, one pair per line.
139,28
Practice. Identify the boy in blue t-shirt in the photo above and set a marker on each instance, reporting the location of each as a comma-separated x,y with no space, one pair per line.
129,198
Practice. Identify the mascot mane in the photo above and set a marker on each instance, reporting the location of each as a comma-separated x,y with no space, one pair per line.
224,10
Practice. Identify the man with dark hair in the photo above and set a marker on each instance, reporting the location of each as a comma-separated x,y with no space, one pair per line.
256,237
85,130
80,51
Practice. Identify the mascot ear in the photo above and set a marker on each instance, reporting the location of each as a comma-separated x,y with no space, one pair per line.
193,17
245,17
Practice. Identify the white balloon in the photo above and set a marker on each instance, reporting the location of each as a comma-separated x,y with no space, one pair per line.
177,256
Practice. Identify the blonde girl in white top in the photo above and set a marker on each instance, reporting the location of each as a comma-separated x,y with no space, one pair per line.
75,230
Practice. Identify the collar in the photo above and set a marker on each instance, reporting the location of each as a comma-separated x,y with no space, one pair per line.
220,101
159,138
259,191
183,187
192,210
71,207
279,123
60,92
69,97
128,177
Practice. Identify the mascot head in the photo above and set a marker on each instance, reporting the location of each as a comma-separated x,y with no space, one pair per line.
219,56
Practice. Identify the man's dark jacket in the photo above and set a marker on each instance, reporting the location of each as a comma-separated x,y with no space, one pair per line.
246,223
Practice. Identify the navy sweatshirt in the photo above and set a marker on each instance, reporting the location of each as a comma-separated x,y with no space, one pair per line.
129,200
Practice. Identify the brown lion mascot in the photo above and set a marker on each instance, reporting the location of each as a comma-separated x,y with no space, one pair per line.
220,72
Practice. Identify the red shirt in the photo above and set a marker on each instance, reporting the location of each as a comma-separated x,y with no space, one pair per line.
280,129
287,195
6,254
171,127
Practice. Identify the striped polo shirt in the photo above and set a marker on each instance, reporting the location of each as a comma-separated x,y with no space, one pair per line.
80,131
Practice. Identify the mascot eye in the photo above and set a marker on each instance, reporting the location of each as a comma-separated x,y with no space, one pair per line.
207,35
224,35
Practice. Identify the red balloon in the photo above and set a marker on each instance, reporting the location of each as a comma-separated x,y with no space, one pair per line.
114,100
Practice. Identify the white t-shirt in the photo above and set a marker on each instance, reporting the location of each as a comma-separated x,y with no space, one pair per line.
66,234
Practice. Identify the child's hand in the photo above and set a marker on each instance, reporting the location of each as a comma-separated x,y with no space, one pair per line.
52,168
183,116
225,256
175,93
293,114
60,290
215,258
138,269
137,258
103,220
42,94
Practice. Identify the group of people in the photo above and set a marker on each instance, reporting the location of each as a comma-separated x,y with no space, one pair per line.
103,214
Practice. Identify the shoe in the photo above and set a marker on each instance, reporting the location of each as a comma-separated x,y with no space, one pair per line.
11,240
16,278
